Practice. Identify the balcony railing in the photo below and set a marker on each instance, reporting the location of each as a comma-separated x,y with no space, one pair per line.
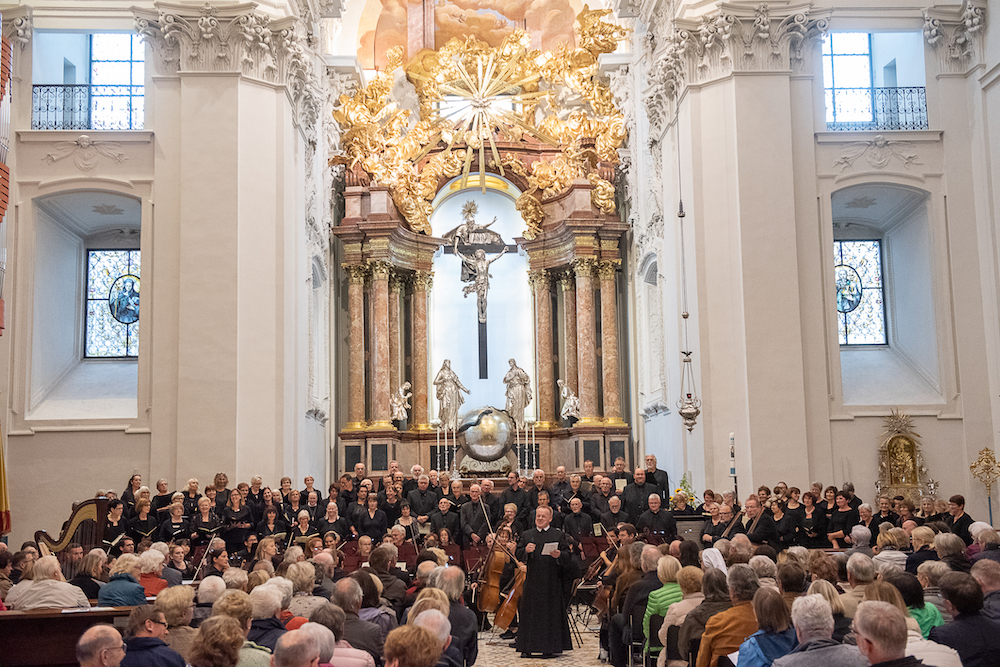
85,107
849,109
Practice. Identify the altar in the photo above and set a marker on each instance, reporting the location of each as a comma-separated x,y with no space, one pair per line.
480,248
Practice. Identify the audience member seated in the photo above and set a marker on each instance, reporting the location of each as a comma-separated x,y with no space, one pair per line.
987,573
383,559
974,635
689,578
860,573
144,638
410,646
209,590
360,634
100,645
217,643
627,624
727,630
659,600
451,580
88,576
295,649
716,589
775,636
235,578
989,545
177,606
237,605
324,639
766,570
46,589
880,631
150,567
344,655
265,626
303,578
926,615
813,621
922,538
951,550
437,623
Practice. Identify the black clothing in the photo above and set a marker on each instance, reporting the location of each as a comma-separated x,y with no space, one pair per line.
191,504
238,524
658,527
202,532
635,497
878,519
304,495
872,527
449,520
812,529
627,476
557,519
90,586
659,477
495,507
570,495
374,526
456,503
472,519
599,504
392,510
533,492
578,526
543,622
339,526
302,537
788,530
141,529
517,496
842,521
354,515
960,526
610,520
170,531
112,533
279,527
422,503
291,514
976,637
160,504
559,491
765,532
713,531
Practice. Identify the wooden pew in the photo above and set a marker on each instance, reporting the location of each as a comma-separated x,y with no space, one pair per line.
49,636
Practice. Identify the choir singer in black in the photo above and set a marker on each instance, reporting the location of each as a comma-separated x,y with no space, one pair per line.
542,612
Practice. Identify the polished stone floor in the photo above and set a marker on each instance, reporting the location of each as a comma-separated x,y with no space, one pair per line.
496,652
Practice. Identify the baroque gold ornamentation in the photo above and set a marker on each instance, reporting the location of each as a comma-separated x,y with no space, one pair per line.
453,106
606,270
356,273
380,268
986,469
396,281
901,463
423,280
584,267
539,278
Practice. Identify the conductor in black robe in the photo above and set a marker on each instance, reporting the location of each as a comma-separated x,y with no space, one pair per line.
543,610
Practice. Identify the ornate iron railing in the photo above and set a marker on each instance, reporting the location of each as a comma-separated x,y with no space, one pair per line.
876,109
85,107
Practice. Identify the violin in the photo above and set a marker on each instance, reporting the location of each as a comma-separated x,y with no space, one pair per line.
602,565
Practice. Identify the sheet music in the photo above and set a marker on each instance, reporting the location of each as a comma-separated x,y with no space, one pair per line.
549,547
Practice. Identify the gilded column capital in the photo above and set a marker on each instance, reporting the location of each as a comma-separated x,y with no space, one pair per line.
423,280
539,278
356,273
606,270
584,267
380,269
396,282
567,281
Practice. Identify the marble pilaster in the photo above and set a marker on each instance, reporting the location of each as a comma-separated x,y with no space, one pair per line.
586,334
422,281
381,414
356,346
540,282
609,341
568,285
396,283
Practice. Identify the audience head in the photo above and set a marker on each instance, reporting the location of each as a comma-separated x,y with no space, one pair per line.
47,567
948,544
210,589
100,646
331,617
882,591
922,536
235,604
650,558
265,602
437,623
689,553
829,593
411,646
146,621
987,573
860,569
125,564
930,572
812,617
743,583
323,637
295,649
908,586
347,595
177,605
667,568
880,629
763,567
689,578
302,576
715,585
962,593
771,611
452,582
860,535
217,643
430,598
791,578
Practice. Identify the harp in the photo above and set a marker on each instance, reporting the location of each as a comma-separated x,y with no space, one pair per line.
86,526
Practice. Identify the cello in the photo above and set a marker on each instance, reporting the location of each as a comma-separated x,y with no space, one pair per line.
505,614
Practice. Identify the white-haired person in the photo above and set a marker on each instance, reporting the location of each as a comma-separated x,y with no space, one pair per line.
860,573
150,568
209,590
47,589
266,626
812,619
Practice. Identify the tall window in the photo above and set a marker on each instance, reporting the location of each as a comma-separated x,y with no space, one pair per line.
112,320
847,76
860,294
116,78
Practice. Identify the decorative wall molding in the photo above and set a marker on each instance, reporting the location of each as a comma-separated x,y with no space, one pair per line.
18,24
956,35
233,38
86,152
653,409
736,38
878,152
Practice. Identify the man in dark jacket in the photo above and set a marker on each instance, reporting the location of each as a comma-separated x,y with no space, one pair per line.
635,497
974,635
422,500
360,634
146,629
760,526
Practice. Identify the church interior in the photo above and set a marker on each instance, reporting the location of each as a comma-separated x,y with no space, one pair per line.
759,241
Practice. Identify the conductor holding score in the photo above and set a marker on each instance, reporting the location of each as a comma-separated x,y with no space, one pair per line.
543,623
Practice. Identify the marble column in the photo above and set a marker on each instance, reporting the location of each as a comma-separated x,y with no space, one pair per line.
422,281
396,283
381,413
586,334
540,283
568,284
609,341
356,346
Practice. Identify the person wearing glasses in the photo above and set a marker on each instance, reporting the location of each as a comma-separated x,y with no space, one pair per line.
100,646
147,628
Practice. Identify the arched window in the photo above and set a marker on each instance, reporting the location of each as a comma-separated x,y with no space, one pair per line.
860,294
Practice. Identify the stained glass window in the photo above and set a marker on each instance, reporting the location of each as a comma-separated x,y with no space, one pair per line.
117,69
860,294
112,304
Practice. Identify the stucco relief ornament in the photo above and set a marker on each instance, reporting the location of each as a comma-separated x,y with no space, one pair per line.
86,152
878,152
